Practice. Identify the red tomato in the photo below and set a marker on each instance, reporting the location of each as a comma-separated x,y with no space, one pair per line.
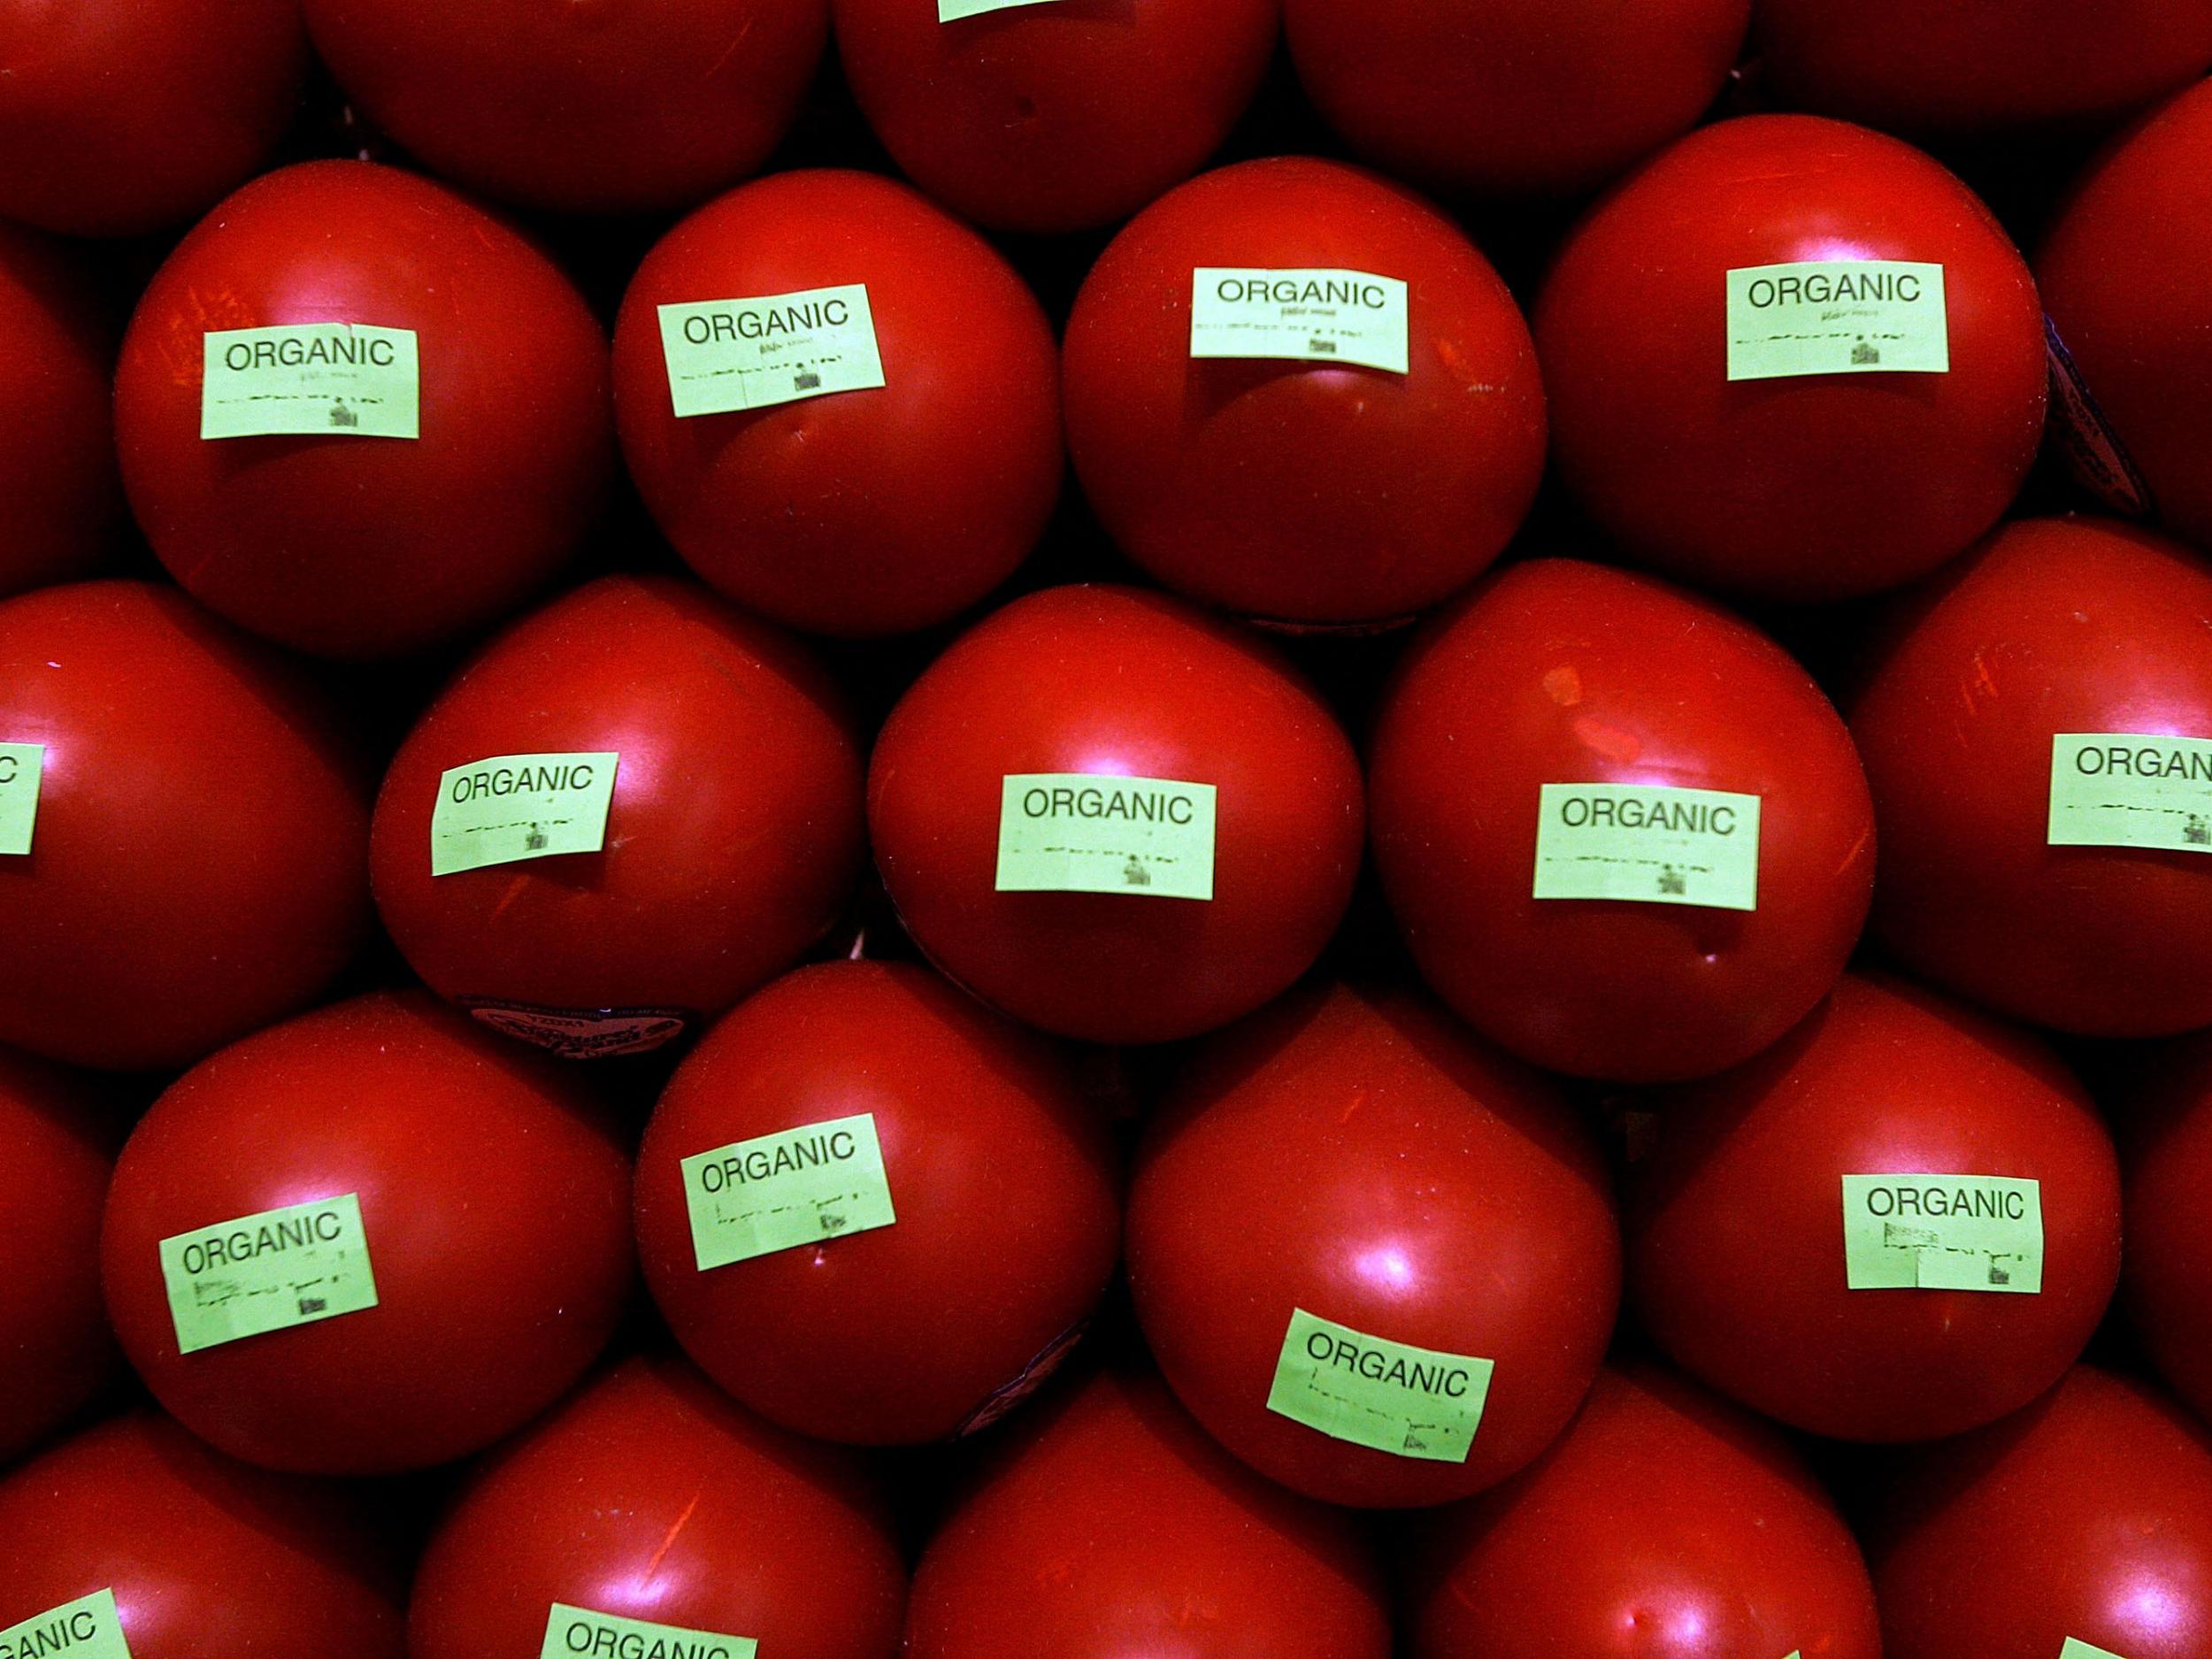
1736,1220
56,1147
352,546
205,1556
1309,493
1664,1525
1560,672
2056,626
732,838
123,116
649,1496
1108,1525
1000,1177
1054,117
60,494
1537,98
1116,682
2130,318
867,511
1362,1159
197,867
1807,487
590,109
2167,1150
494,1199
2088,1517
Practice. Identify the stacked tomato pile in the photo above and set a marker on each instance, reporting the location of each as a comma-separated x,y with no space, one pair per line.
1066,829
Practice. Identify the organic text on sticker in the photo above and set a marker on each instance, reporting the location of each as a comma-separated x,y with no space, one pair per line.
20,767
306,380
727,355
1943,1232
2076,1648
953,10
1647,843
1076,832
1410,1401
87,1628
507,807
776,1192
267,1272
1302,315
2128,789
576,1633
1837,317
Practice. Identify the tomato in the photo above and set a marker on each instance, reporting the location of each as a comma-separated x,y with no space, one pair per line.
2086,1516
2055,626
118,117
1055,118
1111,683
999,1175
1308,491
1359,1157
1810,485
1108,1525
1561,672
649,1496
866,511
1510,97
1664,1525
364,546
732,838
1736,1222
589,109
56,1147
198,863
493,1200
205,1556
2131,320
2166,1147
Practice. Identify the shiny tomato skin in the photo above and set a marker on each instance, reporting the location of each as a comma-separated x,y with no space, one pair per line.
1665,1523
1559,672
1354,1155
2053,625
120,117
1055,118
1543,98
1105,680
648,1495
204,1554
494,1199
732,839
1109,1525
1807,488
368,546
198,864
597,106
2087,1516
1288,490
863,512
1735,1224
2166,1279
1000,1175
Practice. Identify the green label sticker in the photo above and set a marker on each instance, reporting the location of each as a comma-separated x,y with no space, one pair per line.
21,764
1943,1232
87,1628
338,379
506,808
576,1633
2130,790
1410,1401
1303,316
2077,1648
1648,842
953,10
297,1266
1837,317
1070,831
820,1180
728,355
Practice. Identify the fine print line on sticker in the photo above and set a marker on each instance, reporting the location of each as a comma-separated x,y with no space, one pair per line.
1390,1396
22,766
1837,317
1943,1232
776,1192
296,1264
87,1628
1647,843
1081,833
726,356
1299,316
578,1632
310,380
2130,790
507,807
